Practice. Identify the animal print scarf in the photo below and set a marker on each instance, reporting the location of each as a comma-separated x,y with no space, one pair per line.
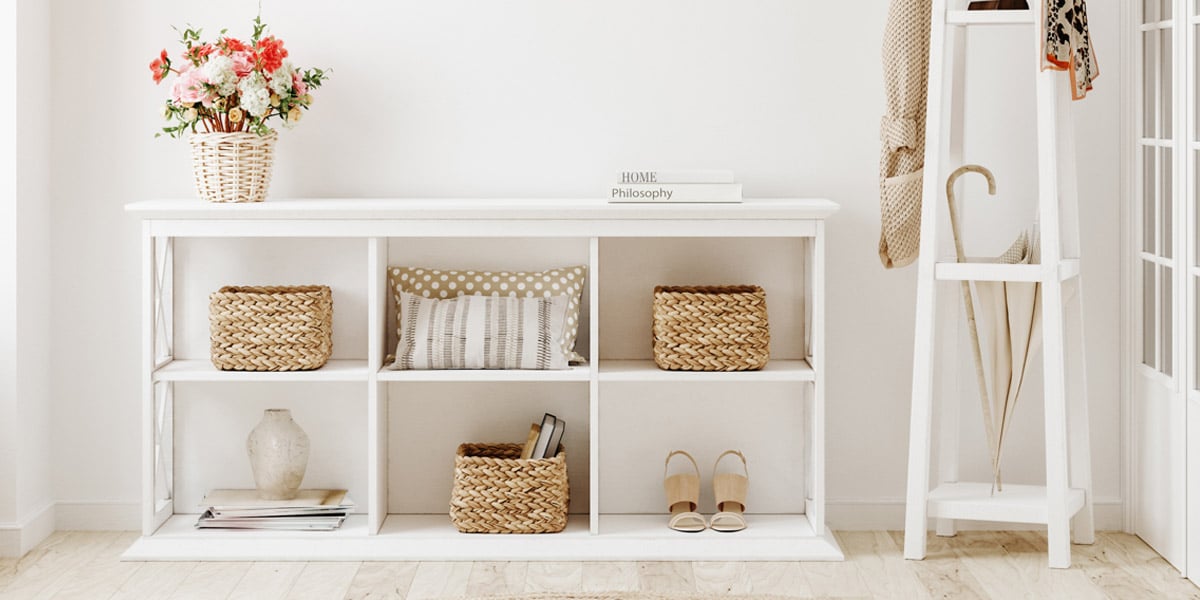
1069,45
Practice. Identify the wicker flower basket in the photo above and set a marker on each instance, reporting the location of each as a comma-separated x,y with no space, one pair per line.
495,491
271,328
232,167
714,328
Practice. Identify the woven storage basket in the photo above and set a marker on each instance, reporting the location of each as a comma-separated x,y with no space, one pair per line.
271,328
495,491
713,328
232,167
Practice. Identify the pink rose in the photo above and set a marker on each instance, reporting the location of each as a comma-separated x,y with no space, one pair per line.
189,88
298,84
243,63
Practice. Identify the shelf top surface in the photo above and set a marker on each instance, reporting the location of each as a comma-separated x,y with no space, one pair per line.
585,209
990,17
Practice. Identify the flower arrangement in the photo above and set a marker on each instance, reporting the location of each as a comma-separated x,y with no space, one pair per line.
231,86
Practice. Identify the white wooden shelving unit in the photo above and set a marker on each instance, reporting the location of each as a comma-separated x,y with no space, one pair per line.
1064,504
384,226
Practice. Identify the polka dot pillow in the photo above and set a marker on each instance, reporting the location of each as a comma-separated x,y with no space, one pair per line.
435,283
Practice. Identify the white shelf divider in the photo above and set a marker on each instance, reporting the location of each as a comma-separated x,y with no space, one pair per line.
579,373
777,370
203,370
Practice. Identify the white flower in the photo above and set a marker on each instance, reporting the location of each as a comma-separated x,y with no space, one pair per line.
219,71
256,99
281,79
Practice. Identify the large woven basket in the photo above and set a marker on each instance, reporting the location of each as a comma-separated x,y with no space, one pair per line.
232,167
271,328
495,491
711,328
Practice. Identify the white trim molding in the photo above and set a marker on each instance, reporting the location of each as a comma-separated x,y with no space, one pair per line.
98,516
1128,70
22,536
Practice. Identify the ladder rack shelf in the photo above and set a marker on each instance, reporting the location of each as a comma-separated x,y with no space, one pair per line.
952,271
1065,502
989,17
1015,504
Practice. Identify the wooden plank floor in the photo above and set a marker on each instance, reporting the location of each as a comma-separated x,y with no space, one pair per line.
1004,565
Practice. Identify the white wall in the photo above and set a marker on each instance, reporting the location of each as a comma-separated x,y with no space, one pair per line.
26,491
543,98
8,275
33,255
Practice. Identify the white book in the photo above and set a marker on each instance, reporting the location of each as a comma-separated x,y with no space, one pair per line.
544,435
222,500
560,427
675,176
676,192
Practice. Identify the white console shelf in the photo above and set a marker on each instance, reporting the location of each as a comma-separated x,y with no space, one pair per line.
599,527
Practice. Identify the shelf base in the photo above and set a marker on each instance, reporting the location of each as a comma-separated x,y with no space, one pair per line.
432,537
1016,504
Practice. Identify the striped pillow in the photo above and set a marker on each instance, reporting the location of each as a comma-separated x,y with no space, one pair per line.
438,283
481,332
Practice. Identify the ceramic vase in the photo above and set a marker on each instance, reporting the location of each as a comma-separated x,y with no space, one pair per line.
278,450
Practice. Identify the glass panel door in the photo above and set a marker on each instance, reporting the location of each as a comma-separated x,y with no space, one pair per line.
1156,194
1167,153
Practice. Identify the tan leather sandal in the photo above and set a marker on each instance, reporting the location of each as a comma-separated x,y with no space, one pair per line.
683,496
729,490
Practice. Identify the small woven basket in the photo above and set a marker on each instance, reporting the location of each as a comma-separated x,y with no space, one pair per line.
271,328
232,167
711,328
495,491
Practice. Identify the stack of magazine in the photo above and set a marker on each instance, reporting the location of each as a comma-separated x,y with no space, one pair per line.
310,510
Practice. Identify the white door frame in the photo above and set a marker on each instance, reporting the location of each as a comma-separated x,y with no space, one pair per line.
1155,403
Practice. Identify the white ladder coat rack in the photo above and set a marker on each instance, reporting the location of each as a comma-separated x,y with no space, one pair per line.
1066,499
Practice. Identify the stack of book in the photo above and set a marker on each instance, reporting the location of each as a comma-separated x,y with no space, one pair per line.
544,439
675,186
310,510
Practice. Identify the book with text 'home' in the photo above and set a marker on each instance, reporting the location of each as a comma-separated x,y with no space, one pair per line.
676,192
675,176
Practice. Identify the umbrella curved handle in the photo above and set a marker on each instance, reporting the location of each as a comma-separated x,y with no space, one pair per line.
963,170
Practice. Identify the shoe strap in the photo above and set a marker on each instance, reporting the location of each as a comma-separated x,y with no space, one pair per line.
667,463
737,453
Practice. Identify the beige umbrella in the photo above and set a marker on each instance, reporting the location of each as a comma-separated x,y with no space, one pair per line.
1010,318
902,130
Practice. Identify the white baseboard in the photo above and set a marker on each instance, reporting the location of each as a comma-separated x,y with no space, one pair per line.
98,516
851,514
22,536
845,514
